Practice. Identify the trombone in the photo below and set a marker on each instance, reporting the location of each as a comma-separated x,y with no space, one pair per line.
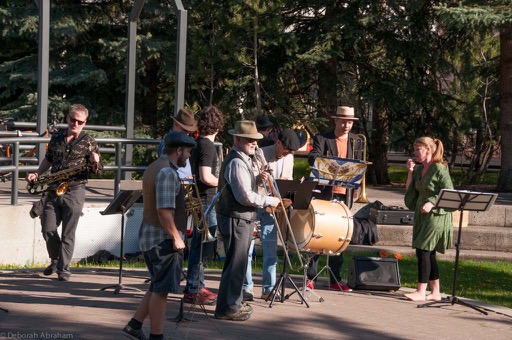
271,190
194,207
360,147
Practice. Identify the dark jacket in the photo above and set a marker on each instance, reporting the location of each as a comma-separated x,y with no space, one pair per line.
325,145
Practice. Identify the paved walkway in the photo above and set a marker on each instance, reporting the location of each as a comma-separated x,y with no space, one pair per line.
43,308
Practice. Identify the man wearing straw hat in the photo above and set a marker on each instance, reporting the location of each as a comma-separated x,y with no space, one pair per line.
236,214
338,143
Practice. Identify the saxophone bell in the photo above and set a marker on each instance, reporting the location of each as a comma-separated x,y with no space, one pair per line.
60,189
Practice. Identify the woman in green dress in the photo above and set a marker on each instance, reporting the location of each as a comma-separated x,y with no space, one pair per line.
433,229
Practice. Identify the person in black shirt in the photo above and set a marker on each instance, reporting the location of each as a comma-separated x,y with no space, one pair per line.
205,166
67,149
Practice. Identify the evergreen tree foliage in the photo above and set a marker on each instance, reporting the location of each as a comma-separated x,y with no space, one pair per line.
410,68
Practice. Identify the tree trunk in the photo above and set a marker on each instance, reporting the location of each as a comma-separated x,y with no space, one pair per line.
327,89
257,89
150,98
505,179
379,146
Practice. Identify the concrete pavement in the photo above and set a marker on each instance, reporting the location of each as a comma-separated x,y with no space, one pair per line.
41,307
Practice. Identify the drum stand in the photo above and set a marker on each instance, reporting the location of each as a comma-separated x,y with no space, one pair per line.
326,267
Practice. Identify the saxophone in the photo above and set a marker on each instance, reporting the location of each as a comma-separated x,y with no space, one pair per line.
57,181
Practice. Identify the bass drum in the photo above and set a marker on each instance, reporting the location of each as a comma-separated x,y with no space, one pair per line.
325,226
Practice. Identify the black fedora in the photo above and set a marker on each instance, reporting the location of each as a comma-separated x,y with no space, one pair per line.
262,122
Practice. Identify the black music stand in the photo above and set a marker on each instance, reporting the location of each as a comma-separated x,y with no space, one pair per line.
300,192
461,200
119,205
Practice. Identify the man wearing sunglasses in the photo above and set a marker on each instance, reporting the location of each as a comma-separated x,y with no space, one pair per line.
68,149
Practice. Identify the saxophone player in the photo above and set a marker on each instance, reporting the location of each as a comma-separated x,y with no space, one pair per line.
68,148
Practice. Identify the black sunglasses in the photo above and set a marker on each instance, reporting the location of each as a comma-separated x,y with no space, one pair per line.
73,120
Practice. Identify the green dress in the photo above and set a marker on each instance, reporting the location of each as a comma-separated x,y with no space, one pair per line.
432,231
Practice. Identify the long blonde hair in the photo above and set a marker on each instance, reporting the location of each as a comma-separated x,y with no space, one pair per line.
435,146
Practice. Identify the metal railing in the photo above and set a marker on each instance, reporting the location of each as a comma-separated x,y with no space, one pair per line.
118,168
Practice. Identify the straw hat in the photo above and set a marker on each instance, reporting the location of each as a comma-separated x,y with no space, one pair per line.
345,112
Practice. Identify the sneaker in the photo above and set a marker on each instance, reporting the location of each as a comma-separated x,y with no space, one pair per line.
208,294
64,276
238,316
340,286
198,299
310,284
267,296
246,308
133,333
51,269
248,295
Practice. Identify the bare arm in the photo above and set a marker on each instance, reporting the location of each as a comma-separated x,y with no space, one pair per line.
166,217
206,176
45,165
410,167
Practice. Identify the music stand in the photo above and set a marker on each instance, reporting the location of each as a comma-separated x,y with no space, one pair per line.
300,193
119,205
461,200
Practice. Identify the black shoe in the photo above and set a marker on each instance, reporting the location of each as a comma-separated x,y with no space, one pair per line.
64,276
248,295
238,316
134,334
52,268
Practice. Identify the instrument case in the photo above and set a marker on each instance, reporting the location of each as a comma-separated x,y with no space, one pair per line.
392,215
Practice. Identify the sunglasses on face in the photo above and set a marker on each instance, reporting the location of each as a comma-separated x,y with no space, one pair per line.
79,122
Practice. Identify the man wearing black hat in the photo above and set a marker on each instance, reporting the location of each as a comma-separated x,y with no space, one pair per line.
162,233
265,127
279,162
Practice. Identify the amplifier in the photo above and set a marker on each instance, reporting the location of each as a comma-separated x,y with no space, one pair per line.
373,273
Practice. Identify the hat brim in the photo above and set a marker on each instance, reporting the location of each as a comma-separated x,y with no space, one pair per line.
251,136
264,126
345,118
189,128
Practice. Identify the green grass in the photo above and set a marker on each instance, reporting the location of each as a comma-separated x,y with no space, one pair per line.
478,280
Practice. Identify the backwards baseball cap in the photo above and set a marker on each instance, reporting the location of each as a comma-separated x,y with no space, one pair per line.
289,139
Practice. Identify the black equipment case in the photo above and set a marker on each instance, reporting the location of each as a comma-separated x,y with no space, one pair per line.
392,215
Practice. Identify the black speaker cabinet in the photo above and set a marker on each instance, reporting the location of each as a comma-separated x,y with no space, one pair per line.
373,273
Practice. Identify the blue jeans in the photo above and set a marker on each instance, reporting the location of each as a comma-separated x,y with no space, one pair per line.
193,257
269,248
248,283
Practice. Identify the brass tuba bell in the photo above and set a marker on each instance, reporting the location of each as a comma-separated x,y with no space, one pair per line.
360,147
